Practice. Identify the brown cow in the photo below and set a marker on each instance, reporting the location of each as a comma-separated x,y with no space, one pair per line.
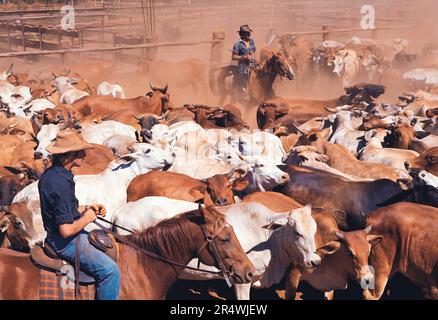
403,136
372,122
96,107
356,199
343,160
218,117
216,190
408,247
428,161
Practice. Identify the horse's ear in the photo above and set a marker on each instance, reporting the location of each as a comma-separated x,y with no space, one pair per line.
201,213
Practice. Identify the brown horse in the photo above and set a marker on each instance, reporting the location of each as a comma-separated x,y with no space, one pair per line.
272,64
142,277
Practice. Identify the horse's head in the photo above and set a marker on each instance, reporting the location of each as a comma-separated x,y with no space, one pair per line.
221,246
278,64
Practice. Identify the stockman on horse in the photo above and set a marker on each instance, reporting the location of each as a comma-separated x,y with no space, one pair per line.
243,53
64,220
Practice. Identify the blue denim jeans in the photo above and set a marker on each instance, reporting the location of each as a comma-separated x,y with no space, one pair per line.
92,261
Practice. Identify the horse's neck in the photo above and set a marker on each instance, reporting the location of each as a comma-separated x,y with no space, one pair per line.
262,83
144,277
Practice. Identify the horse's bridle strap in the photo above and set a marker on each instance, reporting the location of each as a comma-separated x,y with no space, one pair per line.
151,254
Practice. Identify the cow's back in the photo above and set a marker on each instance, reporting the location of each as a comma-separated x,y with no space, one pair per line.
166,184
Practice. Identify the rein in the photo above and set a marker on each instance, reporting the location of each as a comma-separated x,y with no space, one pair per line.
208,242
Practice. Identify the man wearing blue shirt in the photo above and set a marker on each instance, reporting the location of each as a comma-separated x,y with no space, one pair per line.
243,53
64,220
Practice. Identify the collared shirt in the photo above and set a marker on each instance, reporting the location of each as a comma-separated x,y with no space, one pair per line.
240,48
57,197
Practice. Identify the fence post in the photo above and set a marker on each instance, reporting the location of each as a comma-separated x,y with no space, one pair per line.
217,48
102,25
325,33
81,43
23,35
41,36
9,38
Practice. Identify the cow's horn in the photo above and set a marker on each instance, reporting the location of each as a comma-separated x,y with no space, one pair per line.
332,110
163,116
10,68
339,234
137,117
152,87
66,125
164,90
54,76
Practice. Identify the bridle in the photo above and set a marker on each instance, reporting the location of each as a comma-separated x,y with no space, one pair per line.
209,243
274,63
211,246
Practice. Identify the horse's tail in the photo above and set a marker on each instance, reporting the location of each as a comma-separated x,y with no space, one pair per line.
217,83
211,80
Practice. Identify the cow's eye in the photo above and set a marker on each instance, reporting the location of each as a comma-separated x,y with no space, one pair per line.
299,235
225,240
147,151
350,253
18,224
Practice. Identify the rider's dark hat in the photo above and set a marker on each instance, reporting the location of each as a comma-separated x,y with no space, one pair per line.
244,28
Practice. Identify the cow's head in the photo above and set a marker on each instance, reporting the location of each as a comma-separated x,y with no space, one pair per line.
315,138
338,61
219,188
403,134
162,95
63,81
428,161
299,235
147,121
267,113
263,175
144,157
10,186
16,227
351,250
227,119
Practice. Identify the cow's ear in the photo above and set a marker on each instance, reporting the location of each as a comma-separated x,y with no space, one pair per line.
240,184
4,223
431,159
374,239
421,134
197,192
325,133
276,224
328,248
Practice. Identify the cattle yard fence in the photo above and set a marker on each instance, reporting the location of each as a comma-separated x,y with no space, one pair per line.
121,26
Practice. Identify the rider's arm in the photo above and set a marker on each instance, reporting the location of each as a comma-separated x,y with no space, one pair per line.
236,57
69,229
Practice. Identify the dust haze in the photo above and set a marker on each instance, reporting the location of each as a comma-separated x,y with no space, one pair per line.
410,20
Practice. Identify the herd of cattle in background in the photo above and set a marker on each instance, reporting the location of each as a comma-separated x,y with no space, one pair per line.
357,175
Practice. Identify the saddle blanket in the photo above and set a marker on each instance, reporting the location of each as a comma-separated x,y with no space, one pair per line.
54,286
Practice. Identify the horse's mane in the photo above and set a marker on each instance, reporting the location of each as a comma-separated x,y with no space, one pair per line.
168,237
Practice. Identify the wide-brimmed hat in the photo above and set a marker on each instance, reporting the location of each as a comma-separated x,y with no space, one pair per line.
244,28
68,141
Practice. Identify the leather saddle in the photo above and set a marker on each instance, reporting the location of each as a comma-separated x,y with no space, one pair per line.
46,258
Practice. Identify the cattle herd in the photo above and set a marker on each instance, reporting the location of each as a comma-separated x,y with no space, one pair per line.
328,192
